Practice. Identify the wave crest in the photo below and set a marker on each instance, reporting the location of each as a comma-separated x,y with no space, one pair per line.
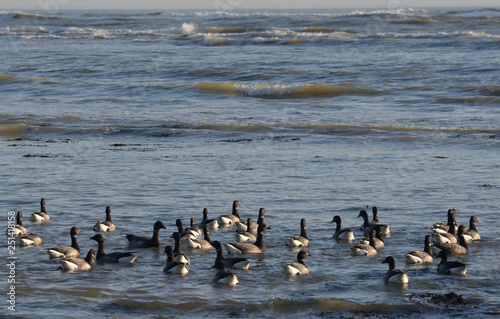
282,90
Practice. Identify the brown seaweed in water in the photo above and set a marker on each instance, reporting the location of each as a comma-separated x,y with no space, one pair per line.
450,298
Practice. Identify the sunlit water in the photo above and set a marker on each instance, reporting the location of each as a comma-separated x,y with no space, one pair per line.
308,114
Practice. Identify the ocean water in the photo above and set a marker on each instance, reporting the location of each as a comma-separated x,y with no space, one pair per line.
308,114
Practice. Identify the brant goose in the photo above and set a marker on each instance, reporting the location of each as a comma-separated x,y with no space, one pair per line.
116,257
67,251
174,267
30,240
365,250
242,226
145,242
212,223
299,267
342,234
449,237
179,256
446,267
368,226
420,257
232,218
230,262
301,240
246,248
394,275
193,229
472,231
246,235
73,264
375,215
201,244
378,241
444,227
41,216
18,229
183,232
106,226
456,249
223,276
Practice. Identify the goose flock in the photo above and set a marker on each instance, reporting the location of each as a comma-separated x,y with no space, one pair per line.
446,240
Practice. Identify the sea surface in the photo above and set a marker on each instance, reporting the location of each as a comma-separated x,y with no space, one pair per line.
308,114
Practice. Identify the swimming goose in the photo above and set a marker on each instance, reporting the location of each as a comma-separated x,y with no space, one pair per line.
394,275
106,226
449,237
365,250
201,244
17,229
368,226
74,263
375,215
41,216
212,223
116,257
246,248
242,226
299,267
444,227
472,231
230,262
223,276
446,267
301,240
378,241
232,218
183,232
67,251
174,267
30,240
192,229
342,234
456,249
179,256
146,242
180,227
419,257
246,235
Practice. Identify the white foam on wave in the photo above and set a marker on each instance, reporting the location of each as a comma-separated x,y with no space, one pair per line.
187,28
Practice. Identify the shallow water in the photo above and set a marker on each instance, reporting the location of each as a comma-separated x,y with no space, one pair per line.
310,115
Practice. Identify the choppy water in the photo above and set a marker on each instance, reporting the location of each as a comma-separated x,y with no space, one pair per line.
308,114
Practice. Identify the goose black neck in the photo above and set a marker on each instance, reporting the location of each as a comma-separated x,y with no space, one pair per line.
170,255
100,250
74,242
472,225
427,245
452,230
177,247
108,214
392,263
220,254
462,242
90,259
260,241
303,232
235,211
372,238
155,240
206,234
451,219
